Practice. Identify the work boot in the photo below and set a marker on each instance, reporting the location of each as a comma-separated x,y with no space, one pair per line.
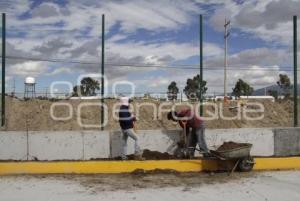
124,158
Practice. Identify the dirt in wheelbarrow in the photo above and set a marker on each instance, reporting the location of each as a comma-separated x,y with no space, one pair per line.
230,145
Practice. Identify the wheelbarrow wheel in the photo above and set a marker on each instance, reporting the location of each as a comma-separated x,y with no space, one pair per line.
246,164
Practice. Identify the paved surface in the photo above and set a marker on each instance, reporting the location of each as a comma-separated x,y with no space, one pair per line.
264,186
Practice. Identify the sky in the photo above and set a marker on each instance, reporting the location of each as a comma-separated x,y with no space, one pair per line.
149,43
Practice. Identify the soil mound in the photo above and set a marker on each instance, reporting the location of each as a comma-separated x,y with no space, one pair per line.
155,155
141,172
35,115
231,145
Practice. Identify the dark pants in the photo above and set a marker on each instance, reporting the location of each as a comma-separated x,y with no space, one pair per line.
196,136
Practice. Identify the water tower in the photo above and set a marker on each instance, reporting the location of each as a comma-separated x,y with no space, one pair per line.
29,88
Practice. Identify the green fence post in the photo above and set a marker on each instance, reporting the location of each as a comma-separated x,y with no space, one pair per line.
201,65
295,74
102,73
3,70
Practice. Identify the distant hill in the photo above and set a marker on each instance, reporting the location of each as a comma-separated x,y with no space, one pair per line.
262,91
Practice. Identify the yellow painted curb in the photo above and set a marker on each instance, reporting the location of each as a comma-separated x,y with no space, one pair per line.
93,167
283,163
96,167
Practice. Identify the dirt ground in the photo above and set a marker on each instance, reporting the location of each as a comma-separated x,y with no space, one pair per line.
155,179
259,186
35,115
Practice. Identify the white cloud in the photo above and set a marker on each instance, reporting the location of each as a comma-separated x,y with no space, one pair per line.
257,75
256,56
63,70
176,50
132,15
30,68
46,10
269,20
148,15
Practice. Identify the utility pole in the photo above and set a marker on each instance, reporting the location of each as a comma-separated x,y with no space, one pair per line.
102,73
226,35
295,74
3,70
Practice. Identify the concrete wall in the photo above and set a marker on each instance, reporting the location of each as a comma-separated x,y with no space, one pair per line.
155,140
287,142
96,144
13,145
86,145
165,141
54,145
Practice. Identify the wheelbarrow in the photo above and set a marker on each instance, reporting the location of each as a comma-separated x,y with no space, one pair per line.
241,157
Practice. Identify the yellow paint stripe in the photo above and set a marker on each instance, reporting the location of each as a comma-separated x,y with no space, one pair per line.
277,163
86,167
94,167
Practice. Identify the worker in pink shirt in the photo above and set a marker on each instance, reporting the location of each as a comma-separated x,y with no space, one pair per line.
195,129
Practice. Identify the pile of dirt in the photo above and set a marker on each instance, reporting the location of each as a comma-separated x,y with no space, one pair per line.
155,155
230,145
142,172
35,115
149,155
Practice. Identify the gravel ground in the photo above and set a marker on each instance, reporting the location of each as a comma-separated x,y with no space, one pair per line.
279,185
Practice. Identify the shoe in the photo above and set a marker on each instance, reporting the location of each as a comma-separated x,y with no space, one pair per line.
124,158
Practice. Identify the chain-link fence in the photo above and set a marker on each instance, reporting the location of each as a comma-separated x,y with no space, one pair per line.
154,72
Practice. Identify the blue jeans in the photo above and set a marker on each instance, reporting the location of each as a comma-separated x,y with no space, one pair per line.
197,136
129,133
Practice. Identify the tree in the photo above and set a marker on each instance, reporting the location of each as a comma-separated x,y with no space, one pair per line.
273,93
87,87
172,91
192,89
242,89
77,90
285,84
147,95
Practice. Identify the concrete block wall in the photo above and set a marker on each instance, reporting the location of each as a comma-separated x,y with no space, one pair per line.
155,140
54,145
96,144
86,145
13,145
287,142
165,141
